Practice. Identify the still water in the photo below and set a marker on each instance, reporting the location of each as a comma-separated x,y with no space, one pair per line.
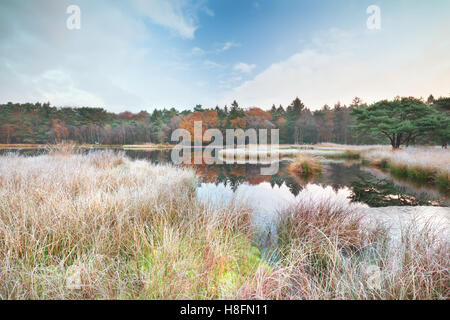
243,183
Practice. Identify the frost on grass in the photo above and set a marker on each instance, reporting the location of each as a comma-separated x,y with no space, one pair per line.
330,248
100,226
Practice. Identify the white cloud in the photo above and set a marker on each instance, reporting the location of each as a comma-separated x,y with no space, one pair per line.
196,51
173,14
229,82
212,65
227,46
337,66
114,61
218,48
244,67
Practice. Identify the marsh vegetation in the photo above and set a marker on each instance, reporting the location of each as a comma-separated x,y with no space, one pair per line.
102,226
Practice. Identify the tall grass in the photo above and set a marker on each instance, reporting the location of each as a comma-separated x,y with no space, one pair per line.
328,250
305,166
421,164
63,148
100,226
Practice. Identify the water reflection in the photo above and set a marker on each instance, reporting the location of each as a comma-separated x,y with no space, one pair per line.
336,175
234,179
246,180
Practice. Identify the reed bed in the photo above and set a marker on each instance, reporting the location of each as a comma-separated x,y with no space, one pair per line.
100,226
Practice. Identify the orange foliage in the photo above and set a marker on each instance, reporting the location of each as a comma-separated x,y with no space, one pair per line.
258,179
281,121
209,119
60,130
238,123
259,113
257,118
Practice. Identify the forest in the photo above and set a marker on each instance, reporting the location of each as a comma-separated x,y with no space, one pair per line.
401,121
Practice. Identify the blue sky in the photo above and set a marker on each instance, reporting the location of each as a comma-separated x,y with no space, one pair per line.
141,54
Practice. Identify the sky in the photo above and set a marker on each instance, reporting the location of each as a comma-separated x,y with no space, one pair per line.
145,54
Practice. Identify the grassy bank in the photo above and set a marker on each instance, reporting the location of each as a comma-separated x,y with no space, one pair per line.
148,146
100,226
328,250
346,155
21,146
425,165
429,165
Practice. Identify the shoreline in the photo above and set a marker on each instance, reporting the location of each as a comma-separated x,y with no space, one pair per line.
89,146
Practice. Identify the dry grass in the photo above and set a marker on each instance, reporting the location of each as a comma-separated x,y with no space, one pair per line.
305,166
256,154
148,146
20,146
349,147
327,251
423,164
100,226
63,149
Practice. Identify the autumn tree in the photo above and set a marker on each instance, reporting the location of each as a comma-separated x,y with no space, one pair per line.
258,118
208,118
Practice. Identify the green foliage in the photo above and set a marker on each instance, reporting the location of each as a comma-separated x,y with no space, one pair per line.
441,130
444,183
225,276
402,120
236,111
348,155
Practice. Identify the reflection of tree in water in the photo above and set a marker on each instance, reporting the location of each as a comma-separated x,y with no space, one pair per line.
366,187
228,175
231,175
381,193
294,187
338,175
154,156
234,175
282,178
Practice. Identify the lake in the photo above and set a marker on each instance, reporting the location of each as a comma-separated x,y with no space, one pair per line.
243,185
223,183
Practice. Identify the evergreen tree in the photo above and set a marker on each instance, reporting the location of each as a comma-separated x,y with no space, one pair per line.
401,120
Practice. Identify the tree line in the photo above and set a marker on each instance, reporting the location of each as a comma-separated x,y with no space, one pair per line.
400,121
